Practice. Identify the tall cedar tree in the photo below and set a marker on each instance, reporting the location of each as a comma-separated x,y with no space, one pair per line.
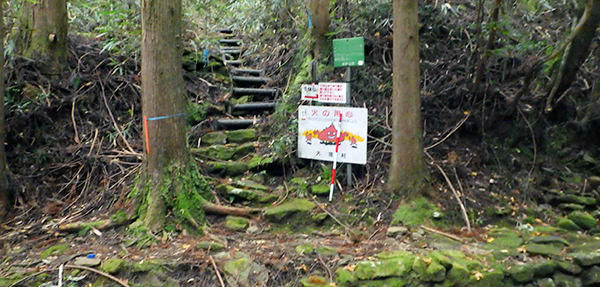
320,25
407,170
5,203
42,33
163,101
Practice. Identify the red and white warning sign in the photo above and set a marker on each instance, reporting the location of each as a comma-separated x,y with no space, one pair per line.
329,92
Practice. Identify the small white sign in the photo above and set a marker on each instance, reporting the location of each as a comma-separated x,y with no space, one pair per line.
310,92
336,93
317,133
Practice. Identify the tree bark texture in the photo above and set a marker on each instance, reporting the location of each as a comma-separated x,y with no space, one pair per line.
578,51
42,33
5,204
163,101
407,170
320,25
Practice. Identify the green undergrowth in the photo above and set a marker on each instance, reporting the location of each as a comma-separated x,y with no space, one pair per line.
184,190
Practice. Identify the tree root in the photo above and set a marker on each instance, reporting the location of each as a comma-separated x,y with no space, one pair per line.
208,207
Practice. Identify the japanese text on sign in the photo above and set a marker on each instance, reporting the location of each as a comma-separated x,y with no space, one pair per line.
317,133
337,93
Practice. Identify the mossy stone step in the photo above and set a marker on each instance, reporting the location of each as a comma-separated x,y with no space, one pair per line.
230,168
258,196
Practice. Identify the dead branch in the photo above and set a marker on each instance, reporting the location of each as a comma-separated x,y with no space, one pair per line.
212,260
453,237
210,207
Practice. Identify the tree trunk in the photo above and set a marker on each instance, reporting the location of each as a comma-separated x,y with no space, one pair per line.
42,33
407,169
320,25
170,179
578,51
5,204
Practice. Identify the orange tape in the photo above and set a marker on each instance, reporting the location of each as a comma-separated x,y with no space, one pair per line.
146,135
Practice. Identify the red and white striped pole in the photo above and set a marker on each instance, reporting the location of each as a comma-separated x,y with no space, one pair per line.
337,145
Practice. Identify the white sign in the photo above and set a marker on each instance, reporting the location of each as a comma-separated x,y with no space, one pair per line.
337,93
310,92
334,93
317,133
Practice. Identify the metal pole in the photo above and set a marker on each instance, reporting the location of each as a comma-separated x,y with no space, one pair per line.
347,78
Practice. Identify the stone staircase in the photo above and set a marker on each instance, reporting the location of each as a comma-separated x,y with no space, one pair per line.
252,96
233,150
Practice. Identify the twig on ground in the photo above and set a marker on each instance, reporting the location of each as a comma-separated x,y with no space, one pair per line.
454,192
453,237
329,213
212,260
121,282
329,274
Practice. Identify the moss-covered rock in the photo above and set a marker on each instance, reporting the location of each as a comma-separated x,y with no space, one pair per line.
583,219
326,250
147,265
290,211
503,238
345,277
569,267
572,198
585,259
219,152
314,281
564,280
522,273
241,136
320,189
233,168
457,276
247,194
54,250
306,248
567,224
113,265
249,184
435,272
544,249
414,213
544,268
368,270
214,138
244,150
209,246
236,222
491,278
591,276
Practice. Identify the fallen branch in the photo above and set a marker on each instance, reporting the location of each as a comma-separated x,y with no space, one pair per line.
121,282
453,237
212,260
210,207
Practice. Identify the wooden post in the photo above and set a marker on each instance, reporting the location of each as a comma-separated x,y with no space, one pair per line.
348,78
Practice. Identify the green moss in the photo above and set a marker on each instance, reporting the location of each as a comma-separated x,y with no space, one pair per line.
414,213
241,136
112,265
290,211
320,189
54,250
306,248
236,222
345,277
184,191
258,161
314,281
147,265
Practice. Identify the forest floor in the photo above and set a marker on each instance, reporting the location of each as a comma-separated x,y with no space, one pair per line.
74,149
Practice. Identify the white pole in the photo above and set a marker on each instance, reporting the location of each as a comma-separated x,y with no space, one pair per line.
337,145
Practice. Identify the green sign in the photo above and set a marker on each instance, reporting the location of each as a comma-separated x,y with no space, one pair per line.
349,52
